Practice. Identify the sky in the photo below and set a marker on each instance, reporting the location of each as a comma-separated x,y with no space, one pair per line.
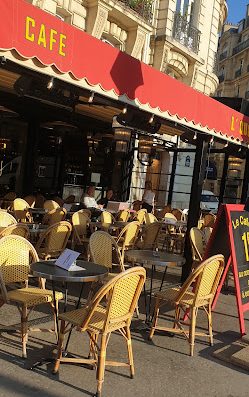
236,10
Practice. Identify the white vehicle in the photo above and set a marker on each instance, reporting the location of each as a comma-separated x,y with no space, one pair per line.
209,201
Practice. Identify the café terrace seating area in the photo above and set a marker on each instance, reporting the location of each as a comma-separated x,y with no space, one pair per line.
131,263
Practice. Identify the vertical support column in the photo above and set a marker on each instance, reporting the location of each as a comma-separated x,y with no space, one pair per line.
244,192
195,198
223,179
172,178
31,145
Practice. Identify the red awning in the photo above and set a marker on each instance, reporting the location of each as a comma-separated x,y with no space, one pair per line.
33,33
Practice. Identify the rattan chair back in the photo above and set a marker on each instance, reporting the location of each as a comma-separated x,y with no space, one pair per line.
87,212
150,236
50,205
169,215
104,250
30,199
16,255
57,215
53,241
207,231
197,241
128,237
106,218
123,292
178,214
140,217
6,219
17,229
80,221
166,209
209,220
123,216
150,218
205,279
21,210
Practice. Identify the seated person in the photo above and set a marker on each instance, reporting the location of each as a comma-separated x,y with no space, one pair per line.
88,199
109,197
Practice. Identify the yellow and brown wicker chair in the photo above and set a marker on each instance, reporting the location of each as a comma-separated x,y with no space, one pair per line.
21,210
174,239
30,199
53,241
50,205
106,219
16,255
140,217
197,241
81,222
150,218
57,215
128,237
197,292
149,237
104,251
100,318
209,220
123,216
6,219
18,230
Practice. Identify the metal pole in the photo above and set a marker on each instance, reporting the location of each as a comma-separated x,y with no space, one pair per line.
172,178
223,179
244,192
195,198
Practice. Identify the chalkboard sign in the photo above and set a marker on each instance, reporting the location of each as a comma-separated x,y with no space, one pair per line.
230,237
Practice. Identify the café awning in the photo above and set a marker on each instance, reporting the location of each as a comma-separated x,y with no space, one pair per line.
40,41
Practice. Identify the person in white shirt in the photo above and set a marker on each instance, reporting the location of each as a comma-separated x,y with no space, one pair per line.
88,198
148,197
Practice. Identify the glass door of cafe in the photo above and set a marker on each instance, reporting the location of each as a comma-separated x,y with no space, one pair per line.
13,135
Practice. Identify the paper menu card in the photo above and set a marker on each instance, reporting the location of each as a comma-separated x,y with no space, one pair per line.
67,260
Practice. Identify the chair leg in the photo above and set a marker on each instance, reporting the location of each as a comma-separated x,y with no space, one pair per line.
154,320
60,346
101,364
24,330
177,316
210,326
130,353
192,330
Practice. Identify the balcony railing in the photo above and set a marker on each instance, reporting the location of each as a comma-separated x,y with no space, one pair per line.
223,56
237,73
185,33
143,7
241,47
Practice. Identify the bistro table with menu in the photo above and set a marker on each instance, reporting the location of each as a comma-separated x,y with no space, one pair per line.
91,272
153,259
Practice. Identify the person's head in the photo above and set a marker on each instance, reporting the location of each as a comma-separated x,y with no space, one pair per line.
148,185
91,190
109,194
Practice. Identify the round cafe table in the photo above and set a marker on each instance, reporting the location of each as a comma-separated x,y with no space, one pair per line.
153,259
91,272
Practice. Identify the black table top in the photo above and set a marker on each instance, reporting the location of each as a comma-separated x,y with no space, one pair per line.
48,270
149,257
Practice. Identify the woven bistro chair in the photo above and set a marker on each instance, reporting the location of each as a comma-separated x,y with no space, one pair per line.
50,205
21,210
30,199
207,231
174,239
123,216
81,222
99,320
17,229
197,292
149,237
53,241
127,238
140,217
209,220
106,219
150,218
197,241
16,255
104,251
6,219
54,216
